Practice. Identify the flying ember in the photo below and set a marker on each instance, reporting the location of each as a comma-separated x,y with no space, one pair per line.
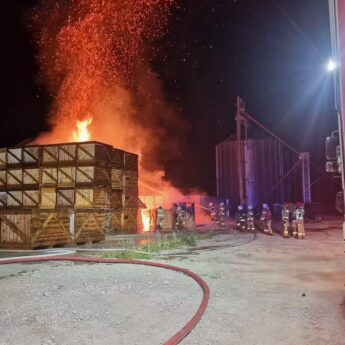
82,133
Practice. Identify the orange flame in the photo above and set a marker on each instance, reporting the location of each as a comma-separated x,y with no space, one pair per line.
146,220
82,133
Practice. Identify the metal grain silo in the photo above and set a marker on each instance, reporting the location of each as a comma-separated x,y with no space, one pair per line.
263,167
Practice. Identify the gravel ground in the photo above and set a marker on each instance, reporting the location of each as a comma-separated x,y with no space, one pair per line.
271,291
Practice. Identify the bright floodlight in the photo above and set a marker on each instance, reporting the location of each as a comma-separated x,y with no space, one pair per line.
331,66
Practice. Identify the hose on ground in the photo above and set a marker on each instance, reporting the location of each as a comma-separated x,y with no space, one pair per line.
177,337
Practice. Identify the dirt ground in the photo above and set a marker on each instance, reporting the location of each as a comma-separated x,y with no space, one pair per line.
267,291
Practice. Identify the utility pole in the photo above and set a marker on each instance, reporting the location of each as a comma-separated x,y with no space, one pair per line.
305,164
337,29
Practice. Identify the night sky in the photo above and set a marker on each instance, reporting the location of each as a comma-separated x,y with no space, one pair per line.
272,53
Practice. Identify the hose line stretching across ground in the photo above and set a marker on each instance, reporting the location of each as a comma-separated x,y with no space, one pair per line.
184,331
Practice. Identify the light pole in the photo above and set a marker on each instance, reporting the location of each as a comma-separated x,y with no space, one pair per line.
334,65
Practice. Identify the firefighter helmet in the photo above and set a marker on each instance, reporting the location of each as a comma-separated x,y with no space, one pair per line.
240,207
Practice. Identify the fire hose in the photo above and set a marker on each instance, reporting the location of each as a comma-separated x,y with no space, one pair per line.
177,337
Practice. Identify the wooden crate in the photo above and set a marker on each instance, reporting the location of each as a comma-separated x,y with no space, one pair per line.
47,198
116,200
92,152
65,197
90,226
117,220
14,177
50,155
15,230
92,197
31,155
130,219
2,179
31,176
130,200
49,176
117,158
3,158
67,153
94,175
130,181
66,176
15,198
130,161
31,198
50,228
14,156
117,176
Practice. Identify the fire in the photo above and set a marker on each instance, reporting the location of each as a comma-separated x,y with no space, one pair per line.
145,219
82,133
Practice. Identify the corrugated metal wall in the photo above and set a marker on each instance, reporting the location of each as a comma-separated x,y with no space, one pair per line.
264,163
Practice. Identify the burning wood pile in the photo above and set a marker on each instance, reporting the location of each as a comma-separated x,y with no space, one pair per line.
65,193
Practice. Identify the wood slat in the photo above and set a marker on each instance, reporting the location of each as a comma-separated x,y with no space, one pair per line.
14,156
92,197
2,178
50,154
3,199
31,155
31,198
48,198
65,197
93,175
15,228
49,176
90,226
117,176
67,153
14,177
15,198
66,176
51,229
3,157
31,176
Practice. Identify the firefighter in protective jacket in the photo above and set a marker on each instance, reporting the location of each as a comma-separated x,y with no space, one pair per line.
300,220
240,218
286,219
250,218
213,213
221,215
180,217
160,218
266,218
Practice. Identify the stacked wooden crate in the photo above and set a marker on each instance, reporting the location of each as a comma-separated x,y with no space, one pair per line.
65,193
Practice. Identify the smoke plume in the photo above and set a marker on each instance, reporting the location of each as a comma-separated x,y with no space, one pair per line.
94,58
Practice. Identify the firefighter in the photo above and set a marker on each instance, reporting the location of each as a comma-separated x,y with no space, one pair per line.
180,217
221,215
160,217
240,218
266,218
213,212
250,218
293,221
300,220
286,219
